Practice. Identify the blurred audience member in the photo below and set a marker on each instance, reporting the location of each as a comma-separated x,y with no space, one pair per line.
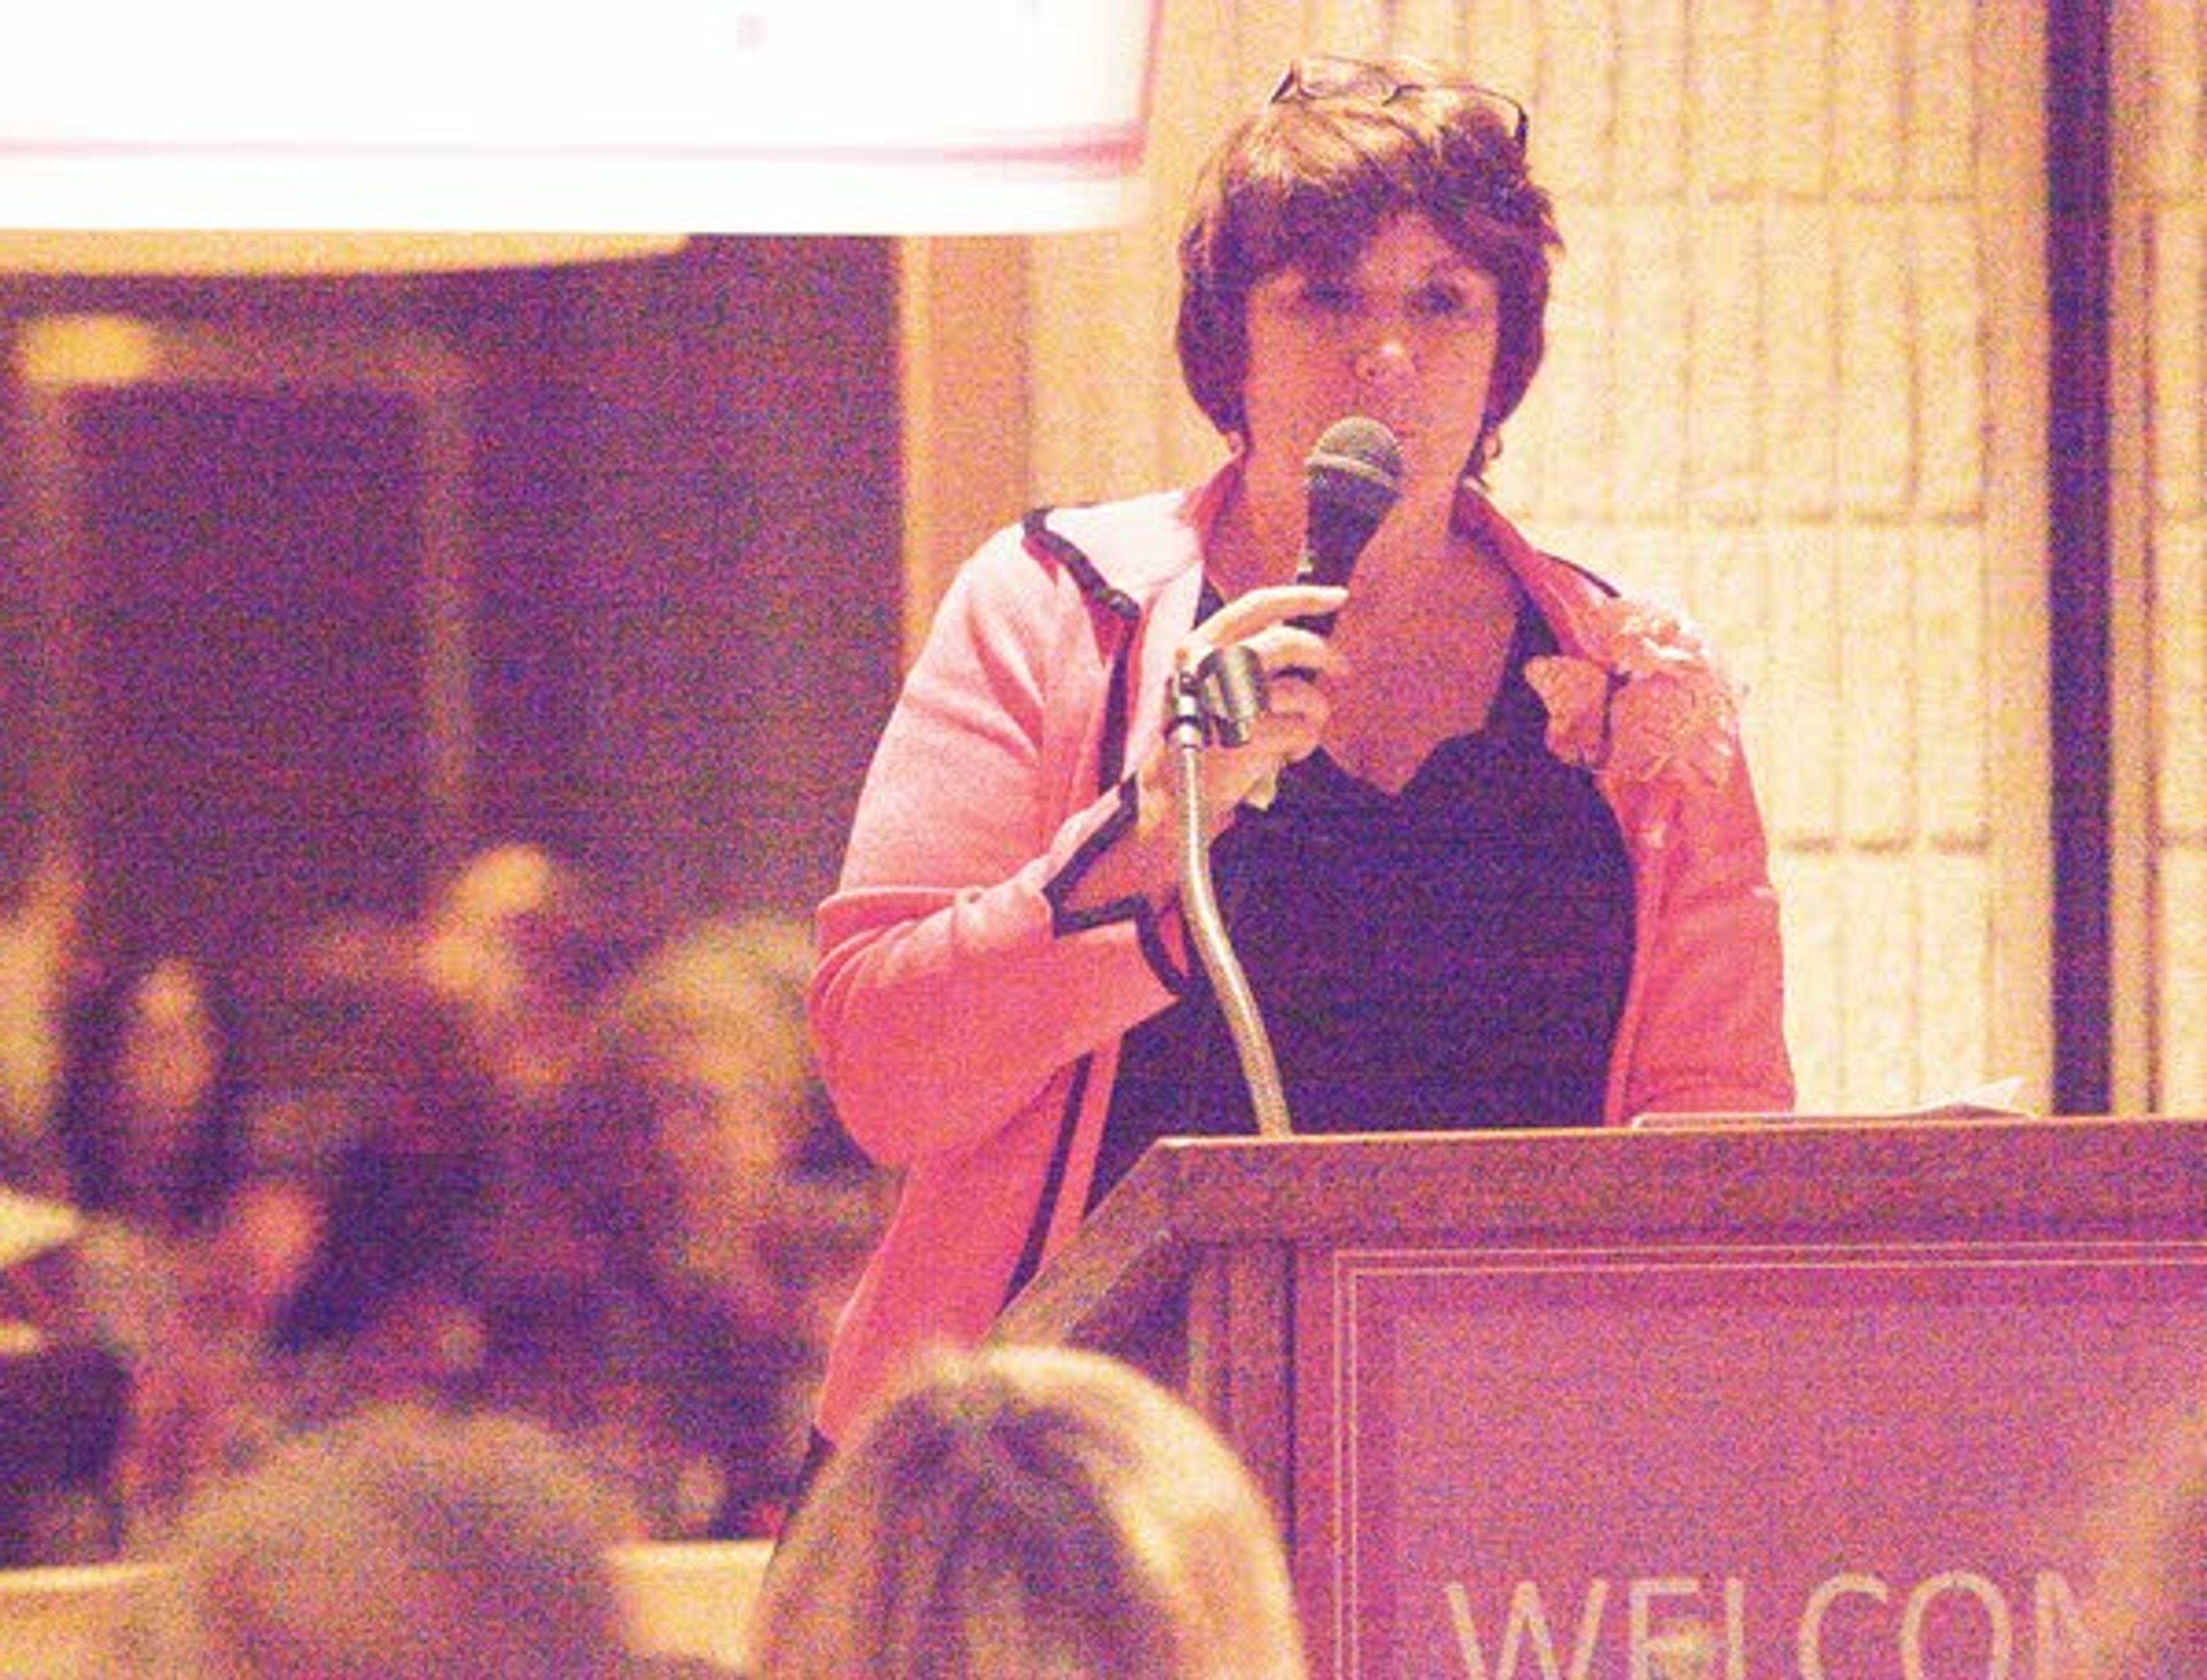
549,1260
62,1396
62,1415
574,1330
317,1001
515,943
148,1120
491,1159
38,940
764,1213
670,1250
639,1247
775,1208
2149,1604
185,1255
385,1310
401,1543
1017,1512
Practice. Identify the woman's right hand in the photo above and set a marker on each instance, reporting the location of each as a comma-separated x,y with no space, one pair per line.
1296,663
1295,660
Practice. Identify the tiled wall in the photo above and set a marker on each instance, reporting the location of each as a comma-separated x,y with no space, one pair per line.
1771,401
1798,381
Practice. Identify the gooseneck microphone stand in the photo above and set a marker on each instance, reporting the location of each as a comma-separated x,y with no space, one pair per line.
1220,700
1353,477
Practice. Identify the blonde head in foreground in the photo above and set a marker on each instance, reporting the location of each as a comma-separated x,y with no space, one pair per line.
2148,1601
398,1544
1038,1513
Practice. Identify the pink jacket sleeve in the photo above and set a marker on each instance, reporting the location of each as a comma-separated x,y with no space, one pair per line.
947,994
1708,1032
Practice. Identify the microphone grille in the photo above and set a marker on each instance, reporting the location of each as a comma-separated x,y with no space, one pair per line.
1356,456
1351,479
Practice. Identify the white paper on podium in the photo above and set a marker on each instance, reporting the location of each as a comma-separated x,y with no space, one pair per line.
1995,1099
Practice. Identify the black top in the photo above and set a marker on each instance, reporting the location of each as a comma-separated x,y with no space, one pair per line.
1454,956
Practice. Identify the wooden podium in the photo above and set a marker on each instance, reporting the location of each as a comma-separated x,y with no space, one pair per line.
1732,1400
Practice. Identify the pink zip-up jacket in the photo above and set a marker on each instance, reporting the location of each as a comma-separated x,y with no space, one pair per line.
969,1026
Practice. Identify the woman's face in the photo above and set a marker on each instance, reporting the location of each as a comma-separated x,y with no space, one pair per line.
1406,336
167,1059
166,1066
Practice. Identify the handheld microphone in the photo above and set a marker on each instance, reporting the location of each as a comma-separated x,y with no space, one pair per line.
1352,478
1351,481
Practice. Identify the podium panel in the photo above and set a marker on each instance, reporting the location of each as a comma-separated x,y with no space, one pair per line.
1857,1461
1737,1404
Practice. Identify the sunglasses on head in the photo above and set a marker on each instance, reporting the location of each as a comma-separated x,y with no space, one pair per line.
1329,77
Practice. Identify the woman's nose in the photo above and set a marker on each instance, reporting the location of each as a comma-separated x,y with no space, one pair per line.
1385,357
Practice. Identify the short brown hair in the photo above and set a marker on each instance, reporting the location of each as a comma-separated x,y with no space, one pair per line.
1305,182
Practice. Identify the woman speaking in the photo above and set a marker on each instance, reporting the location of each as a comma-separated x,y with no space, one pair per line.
1489,856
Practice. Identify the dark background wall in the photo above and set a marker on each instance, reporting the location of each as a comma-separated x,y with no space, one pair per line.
682,531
